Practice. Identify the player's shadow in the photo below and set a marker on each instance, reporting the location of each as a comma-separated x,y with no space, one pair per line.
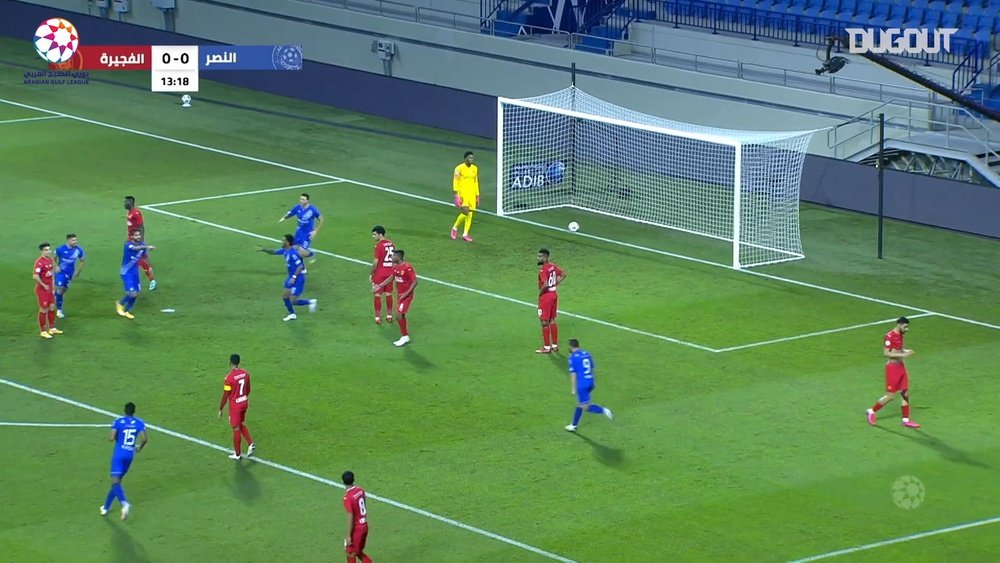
944,450
612,457
417,359
244,484
124,548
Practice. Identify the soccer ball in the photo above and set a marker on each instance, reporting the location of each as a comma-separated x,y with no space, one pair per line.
56,40
574,226
186,101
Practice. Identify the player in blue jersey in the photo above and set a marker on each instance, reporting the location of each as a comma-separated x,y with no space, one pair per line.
129,435
581,376
310,222
132,254
71,257
295,283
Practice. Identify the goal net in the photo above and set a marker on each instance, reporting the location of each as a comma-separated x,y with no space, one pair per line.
570,149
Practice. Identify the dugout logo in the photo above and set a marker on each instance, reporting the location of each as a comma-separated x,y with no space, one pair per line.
908,492
537,175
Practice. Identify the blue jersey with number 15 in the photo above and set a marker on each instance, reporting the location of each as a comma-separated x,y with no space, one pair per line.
582,365
127,430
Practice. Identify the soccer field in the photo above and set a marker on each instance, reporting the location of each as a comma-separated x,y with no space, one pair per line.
739,397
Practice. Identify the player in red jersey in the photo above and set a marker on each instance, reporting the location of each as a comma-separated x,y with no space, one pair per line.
896,380
236,390
382,271
45,291
134,222
406,281
357,520
549,277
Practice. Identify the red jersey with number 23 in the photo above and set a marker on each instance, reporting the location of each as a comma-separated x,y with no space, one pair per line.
354,503
383,255
547,276
238,385
404,277
133,221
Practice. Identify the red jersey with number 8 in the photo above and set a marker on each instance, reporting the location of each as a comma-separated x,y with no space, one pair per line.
238,385
354,503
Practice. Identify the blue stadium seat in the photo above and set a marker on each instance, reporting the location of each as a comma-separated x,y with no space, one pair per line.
955,6
949,19
937,5
914,17
996,25
932,18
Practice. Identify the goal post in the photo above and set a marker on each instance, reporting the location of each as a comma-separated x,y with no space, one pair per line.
569,149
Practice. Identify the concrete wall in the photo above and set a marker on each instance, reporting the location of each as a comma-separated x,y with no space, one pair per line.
486,65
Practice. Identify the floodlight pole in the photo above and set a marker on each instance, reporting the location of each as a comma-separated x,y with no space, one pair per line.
881,179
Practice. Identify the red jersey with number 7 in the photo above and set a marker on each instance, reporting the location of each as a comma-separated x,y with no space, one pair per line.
238,385
354,504
548,275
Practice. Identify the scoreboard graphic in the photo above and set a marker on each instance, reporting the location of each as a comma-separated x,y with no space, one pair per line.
173,68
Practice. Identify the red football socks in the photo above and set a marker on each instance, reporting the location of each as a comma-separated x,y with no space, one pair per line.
545,335
237,444
149,272
388,304
402,326
52,319
246,433
366,559
554,333
378,306
877,407
906,411
41,321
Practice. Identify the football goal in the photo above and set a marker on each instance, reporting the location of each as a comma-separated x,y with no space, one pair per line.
570,149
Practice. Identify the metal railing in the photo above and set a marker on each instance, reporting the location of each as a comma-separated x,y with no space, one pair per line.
907,117
782,26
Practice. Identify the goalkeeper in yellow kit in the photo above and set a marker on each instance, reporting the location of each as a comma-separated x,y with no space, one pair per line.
466,187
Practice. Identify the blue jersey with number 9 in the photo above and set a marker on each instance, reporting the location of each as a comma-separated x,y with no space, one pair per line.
582,364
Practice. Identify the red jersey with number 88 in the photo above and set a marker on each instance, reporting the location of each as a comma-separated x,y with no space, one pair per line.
238,385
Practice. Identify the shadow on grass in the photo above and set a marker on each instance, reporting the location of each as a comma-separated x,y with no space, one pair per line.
124,548
244,484
612,457
943,449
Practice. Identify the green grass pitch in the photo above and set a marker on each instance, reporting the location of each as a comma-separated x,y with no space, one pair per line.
737,437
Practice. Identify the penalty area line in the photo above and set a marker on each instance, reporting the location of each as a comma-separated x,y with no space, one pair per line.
442,282
901,539
296,472
241,194
53,425
819,333
27,119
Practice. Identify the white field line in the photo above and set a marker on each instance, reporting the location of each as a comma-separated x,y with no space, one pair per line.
54,425
525,221
297,473
240,194
818,333
155,209
26,119
901,539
